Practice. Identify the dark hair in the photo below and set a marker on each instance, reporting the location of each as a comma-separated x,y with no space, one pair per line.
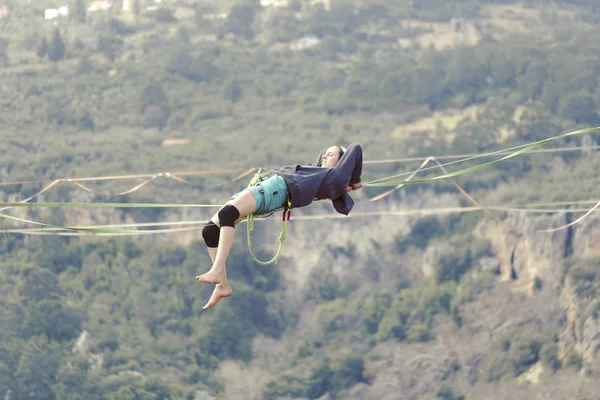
341,149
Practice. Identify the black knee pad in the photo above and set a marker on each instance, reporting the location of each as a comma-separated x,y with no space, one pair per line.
228,215
210,233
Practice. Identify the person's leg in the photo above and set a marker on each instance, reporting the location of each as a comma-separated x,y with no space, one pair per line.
232,212
211,234
222,290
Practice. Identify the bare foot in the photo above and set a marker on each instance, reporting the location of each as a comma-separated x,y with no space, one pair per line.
211,276
221,291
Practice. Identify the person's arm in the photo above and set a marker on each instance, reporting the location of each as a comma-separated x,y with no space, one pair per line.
350,166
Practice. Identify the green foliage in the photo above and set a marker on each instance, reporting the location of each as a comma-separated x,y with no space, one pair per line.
72,383
585,279
470,287
140,388
154,107
428,228
549,356
37,367
57,254
323,285
580,108
453,258
411,314
331,316
574,360
372,310
452,265
240,20
445,392
56,47
136,9
263,278
43,47
194,69
137,298
329,375
285,385
232,91
80,11
523,354
85,122
300,351
119,27
514,353
230,333
110,46
423,230
164,15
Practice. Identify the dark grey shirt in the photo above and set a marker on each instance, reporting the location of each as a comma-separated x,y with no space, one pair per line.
307,183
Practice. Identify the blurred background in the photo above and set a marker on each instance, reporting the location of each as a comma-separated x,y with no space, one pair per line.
418,295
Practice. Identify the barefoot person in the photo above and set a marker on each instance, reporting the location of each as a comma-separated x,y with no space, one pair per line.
337,172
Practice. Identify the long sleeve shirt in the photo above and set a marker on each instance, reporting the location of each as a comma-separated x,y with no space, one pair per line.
307,183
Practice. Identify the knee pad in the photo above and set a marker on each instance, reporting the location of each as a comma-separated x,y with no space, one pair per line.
228,215
210,233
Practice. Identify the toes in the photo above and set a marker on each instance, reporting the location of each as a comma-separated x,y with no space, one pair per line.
209,304
207,279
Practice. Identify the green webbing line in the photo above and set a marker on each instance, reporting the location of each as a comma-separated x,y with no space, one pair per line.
92,230
526,149
105,205
258,177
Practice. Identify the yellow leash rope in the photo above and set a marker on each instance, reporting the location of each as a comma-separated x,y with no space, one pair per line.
259,177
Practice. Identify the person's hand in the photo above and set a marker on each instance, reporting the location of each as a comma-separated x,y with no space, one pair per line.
354,186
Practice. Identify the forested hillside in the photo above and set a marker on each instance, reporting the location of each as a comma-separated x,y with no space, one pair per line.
446,305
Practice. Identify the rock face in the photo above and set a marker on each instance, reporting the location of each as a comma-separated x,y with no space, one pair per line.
523,253
83,344
202,395
536,260
582,332
586,236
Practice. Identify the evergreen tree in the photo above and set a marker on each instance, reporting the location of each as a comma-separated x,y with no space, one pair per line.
137,10
42,49
80,11
56,49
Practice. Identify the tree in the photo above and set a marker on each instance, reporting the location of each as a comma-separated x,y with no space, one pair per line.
240,20
200,10
110,46
56,49
581,108
194,69
154,107
37,368
232,91
3,59
164,15
136,8
42,48
86,122
6,381
531,82
4,42
80,11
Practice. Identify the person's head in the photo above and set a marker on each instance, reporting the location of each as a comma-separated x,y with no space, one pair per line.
332,156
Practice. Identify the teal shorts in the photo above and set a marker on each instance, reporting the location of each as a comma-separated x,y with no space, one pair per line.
269,194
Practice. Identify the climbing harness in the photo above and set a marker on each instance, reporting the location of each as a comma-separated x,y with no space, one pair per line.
259,177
